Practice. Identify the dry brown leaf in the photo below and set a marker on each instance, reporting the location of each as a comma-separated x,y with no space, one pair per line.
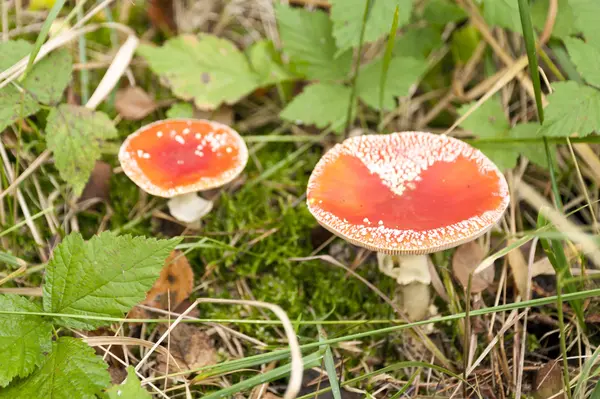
162,15
117,374
549,381
465,260
191,347
133,103
518,266
98,186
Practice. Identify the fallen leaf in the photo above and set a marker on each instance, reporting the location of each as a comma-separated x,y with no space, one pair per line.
549,381
465,260
98,185
133,103
117,374
161,15
191,347
176,279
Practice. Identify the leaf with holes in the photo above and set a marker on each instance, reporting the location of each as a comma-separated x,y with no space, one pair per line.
402,74
70,370
347,17
44,84
307,39
23,338
205,68
320,104
104,276
586,59
572,109
131,388
75,135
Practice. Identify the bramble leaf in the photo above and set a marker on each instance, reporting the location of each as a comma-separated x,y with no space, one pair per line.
403,73
131,388
347,17
307,39
75,134
208,69
104,276
418,42
503,13
266,63
441,12
44,84
586,19
586,59
181,110
70,370
572,109
320,104
23,338
564,24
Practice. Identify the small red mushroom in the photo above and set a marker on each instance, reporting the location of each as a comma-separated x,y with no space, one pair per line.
175,158
406,194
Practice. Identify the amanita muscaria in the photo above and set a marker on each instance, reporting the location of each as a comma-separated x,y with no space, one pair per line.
176,158
407,194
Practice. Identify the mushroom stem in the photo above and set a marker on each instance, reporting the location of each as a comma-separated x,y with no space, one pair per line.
189,208
413,276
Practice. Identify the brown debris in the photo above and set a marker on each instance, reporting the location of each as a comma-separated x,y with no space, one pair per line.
98,185
549,381
465,260
191,347
133,103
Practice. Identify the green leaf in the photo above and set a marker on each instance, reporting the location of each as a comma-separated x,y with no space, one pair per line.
572,109
489,121
23,338
320,104
205,68
267,64
564,25
441,12
418,42
403,73
44,84
131,388
181,110
307,38
104,276
586,59
71,370
464,42
586,19
503,13
75,134
535,152
347,17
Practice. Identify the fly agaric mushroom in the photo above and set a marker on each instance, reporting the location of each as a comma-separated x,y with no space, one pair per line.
407,194
175,158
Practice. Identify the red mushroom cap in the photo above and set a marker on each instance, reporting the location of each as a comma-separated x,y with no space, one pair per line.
178,156
406,193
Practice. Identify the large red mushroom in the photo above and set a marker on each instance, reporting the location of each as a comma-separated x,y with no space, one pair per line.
176,158
407,194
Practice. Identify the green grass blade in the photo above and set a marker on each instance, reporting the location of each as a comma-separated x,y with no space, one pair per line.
368,7
387,58
330,367
58,5
529,37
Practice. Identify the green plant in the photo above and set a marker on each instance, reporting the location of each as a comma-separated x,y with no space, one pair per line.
90,281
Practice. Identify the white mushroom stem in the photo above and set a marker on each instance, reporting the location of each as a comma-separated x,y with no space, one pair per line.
189,208
413,276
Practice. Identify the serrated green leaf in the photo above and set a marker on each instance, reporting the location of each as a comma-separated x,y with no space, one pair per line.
347,17
320,104
572,109
418,42
504,155
23,338
181,110
564,24
586,59
586,19
535,152
44,84
503,13
71,370
441,12
104,276
403,73
266,63
307,39
208,69
74,134
131,388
